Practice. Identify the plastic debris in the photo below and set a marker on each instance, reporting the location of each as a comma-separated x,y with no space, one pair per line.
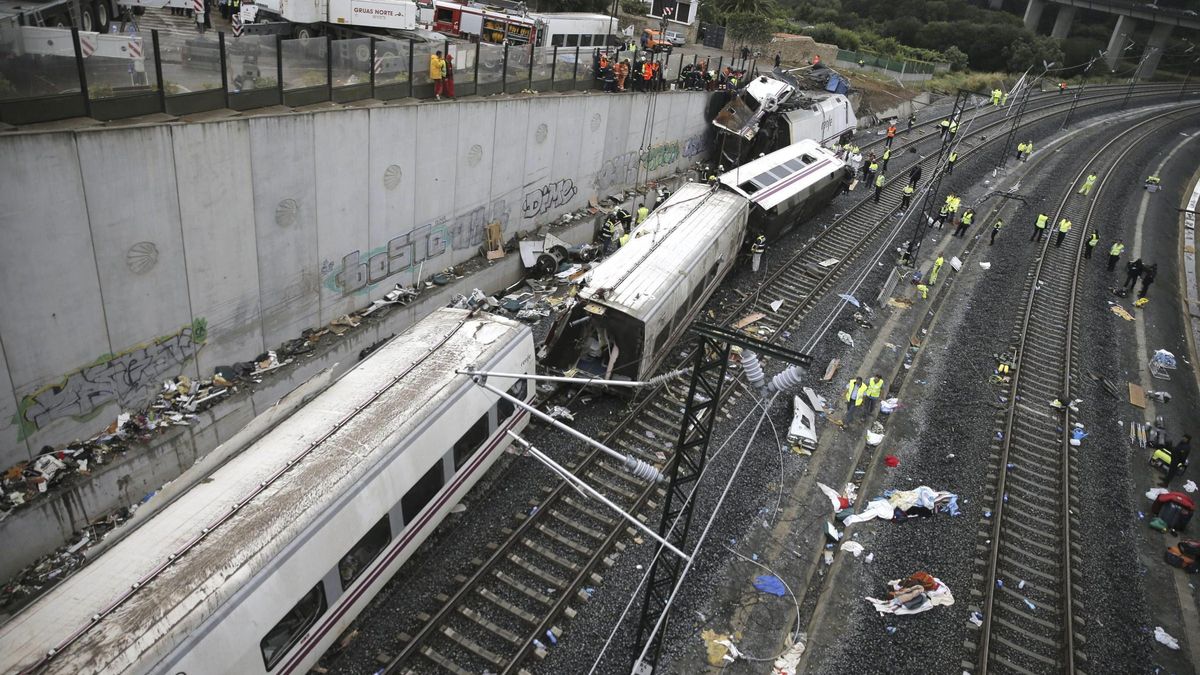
560,413
891,461
853,547
1165,638
769,583
776,305
977,619
845,337
1029,604
1190,486
832,532
789,661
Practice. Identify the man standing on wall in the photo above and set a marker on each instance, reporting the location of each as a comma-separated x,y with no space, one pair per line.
437,67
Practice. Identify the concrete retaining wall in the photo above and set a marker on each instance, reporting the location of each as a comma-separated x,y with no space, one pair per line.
134,255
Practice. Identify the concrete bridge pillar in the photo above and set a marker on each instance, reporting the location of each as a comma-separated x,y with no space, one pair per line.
1033,14
1120,37
1062,22
1154,50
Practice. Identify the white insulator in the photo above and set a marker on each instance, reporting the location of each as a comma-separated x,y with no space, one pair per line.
787,379
642,469
753,369
660,379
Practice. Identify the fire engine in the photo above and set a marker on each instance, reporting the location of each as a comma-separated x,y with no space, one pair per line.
501,22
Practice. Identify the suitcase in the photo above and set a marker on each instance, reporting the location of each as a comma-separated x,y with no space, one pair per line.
1175,557
1175,515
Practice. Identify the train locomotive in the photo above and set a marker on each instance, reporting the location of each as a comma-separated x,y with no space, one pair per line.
258,568
772,111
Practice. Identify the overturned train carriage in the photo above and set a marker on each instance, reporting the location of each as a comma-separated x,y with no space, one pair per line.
257,569
642,298
787,186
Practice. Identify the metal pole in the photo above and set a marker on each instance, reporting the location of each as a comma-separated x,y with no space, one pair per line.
477,48
224,66
504,71
532,56
554,67
83,87
635,466
158,72
412,55
328,65
580,485
279,65
374,56
575,71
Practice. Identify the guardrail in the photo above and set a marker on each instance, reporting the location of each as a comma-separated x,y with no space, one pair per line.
50,74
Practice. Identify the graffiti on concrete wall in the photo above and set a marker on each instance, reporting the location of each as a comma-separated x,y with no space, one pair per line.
128,377
659,156
359,271
623,169
549,196
697,145
620,171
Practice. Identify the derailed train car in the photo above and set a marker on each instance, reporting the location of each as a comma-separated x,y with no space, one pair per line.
257,569
787,186
644,295
640,299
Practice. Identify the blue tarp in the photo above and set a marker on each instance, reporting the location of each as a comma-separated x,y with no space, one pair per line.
837,84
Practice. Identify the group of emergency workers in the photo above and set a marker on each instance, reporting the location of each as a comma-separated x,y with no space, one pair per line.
618,74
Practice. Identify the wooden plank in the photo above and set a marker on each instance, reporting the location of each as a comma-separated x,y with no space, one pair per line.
831,370
1137,395
749,319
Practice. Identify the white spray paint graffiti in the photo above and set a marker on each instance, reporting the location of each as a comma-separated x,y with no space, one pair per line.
549,196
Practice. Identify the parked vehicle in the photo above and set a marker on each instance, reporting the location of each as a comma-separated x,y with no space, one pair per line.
655,41
675,38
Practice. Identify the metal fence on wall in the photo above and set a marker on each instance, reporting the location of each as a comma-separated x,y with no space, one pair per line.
49,74
894,65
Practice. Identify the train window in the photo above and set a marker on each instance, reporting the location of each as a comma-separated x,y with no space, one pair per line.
712,274
598,39
808,159
748,187
661,340
470,442
765,179
372,543
504,407
444,15
421,492
796,165
293,626
556,40
572,40
750,101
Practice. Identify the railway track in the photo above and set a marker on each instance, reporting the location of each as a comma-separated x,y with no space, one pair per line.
512,604
1032,621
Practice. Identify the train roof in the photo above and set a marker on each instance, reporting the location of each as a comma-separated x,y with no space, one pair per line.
635,278
772,179
152,621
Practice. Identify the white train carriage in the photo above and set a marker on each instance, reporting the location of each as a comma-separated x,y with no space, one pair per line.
644,295
772,112
258,568
787,186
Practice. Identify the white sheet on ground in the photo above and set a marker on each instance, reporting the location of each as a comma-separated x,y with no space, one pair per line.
939,596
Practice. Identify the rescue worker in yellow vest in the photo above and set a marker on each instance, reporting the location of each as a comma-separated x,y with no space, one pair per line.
623,217
878,187
1039,228
906,196
995,231
608,233
625,238
937,268
923,291
756,251
1114,254
872,169
874,391
996,97
887,154
1028,151
967,218
953,128
943,214
950,162
1004,98
642,214
1064,226
1020,150
856,391
945,127
1088,184
1091,245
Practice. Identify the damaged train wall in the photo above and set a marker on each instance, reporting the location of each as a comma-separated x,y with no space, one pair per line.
133,255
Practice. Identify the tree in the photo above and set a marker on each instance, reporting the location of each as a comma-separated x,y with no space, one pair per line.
956,58
1025,52
750,29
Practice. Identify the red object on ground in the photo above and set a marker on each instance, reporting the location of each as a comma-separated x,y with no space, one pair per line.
1176,497
892,461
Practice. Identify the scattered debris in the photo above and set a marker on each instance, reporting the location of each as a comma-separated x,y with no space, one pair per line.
1165,638
776,305
899,505
748,319
831,369
918,593
845,337
788,662
769,583
853,547
875,434
1121,312
891,461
